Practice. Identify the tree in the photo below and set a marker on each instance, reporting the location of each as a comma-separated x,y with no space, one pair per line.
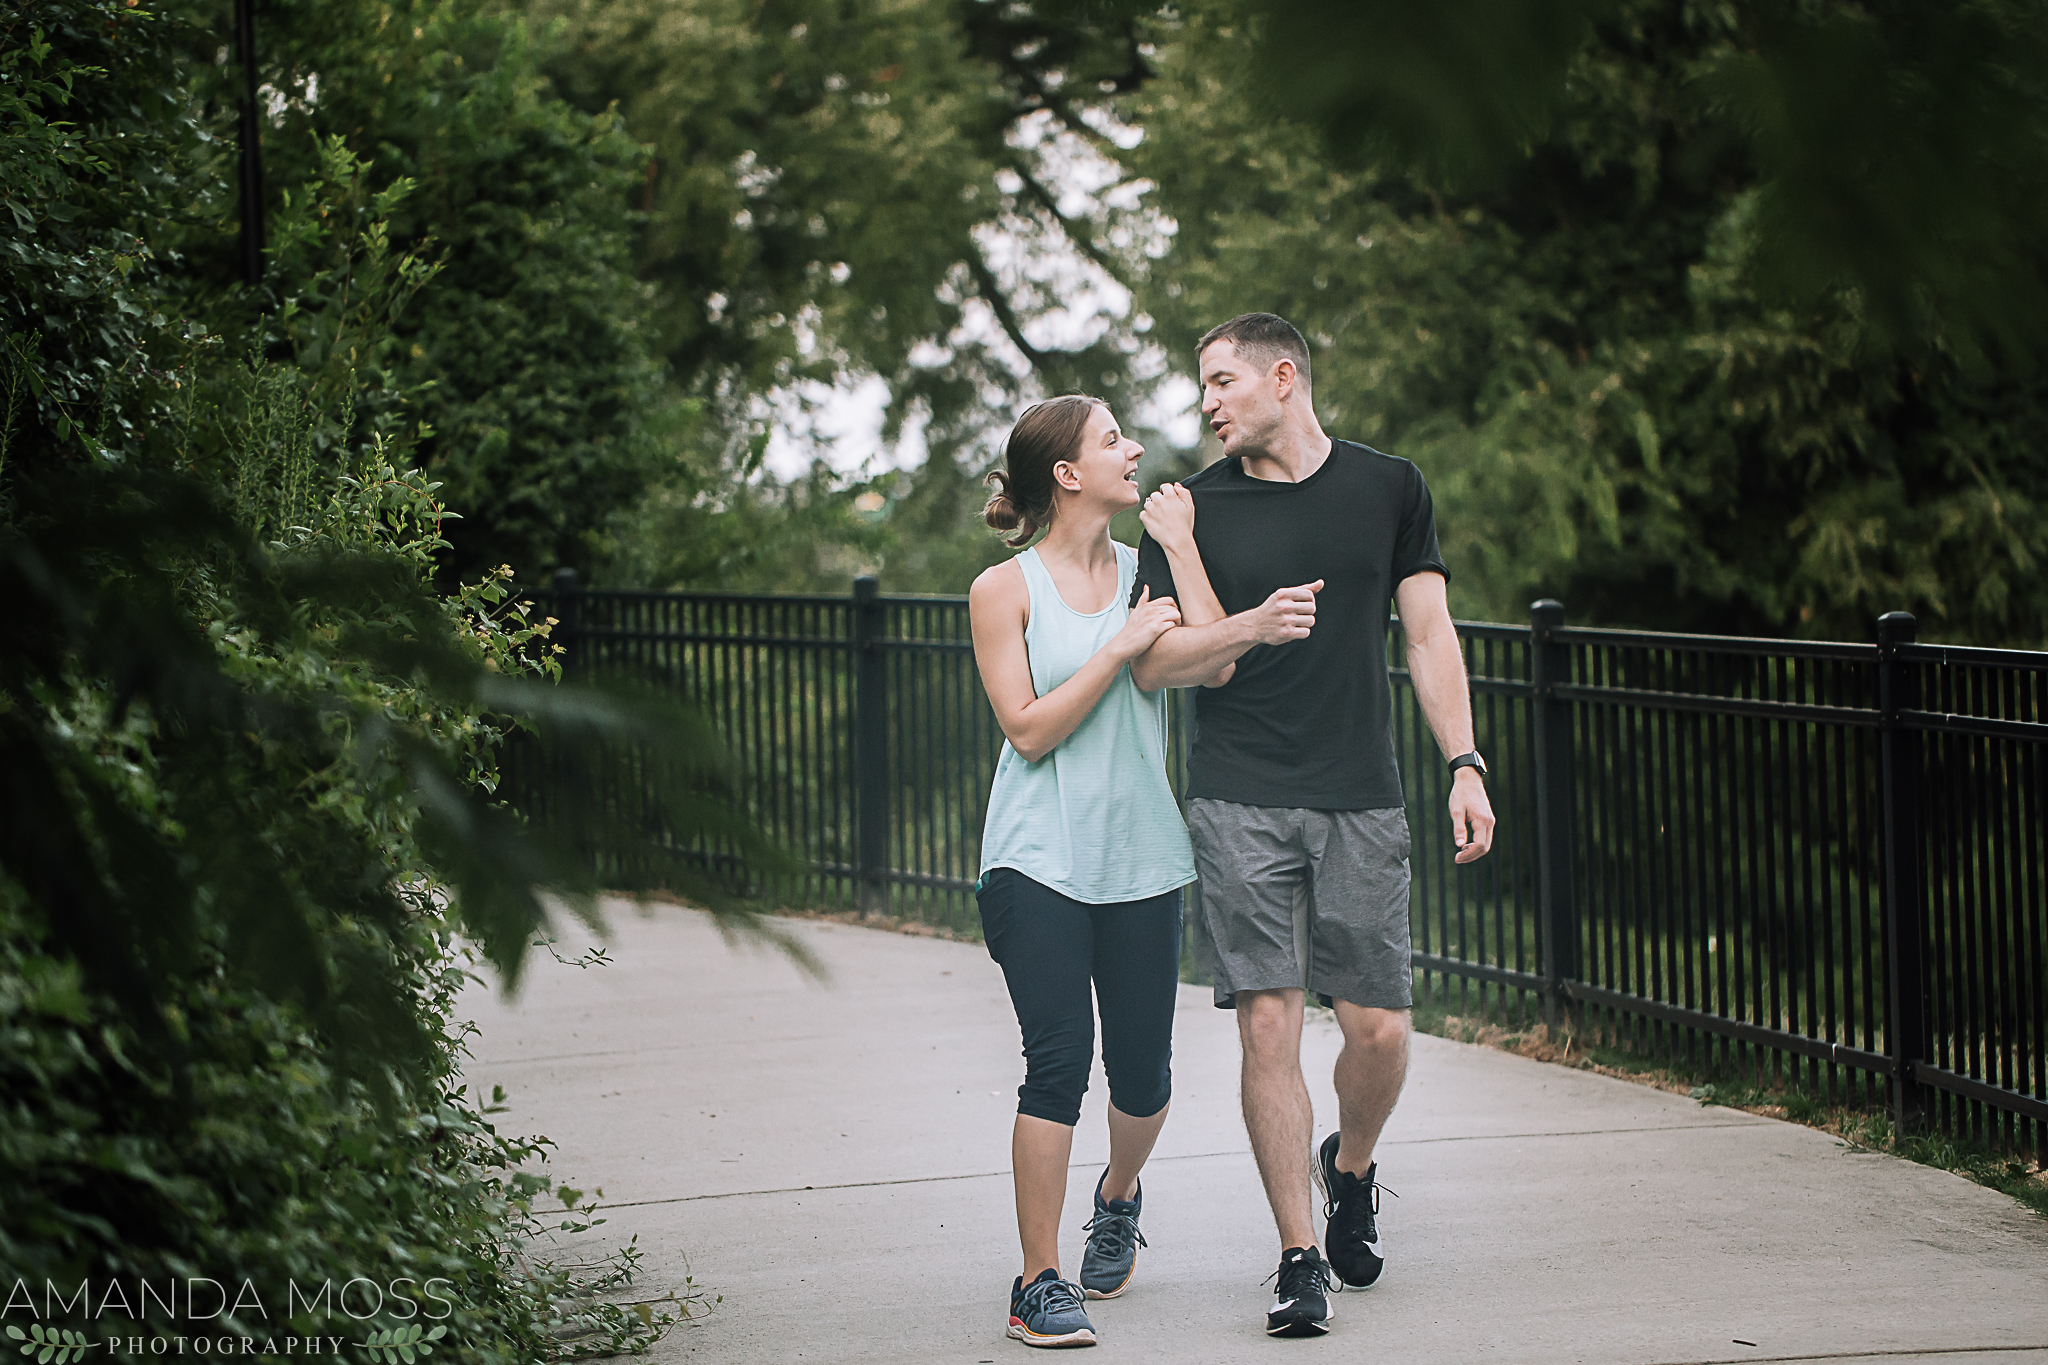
249,847
527,362
838,192
1896,149
1581,342
823,177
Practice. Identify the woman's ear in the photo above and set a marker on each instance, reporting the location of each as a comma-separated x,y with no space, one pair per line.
1066,476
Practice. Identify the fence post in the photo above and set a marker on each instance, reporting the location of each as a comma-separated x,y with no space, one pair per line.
568,614
870,747
1550,666
1905,1029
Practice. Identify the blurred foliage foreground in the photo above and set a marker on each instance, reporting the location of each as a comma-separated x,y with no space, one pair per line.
248,851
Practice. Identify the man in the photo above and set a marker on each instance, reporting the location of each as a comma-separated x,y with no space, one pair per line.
1295,804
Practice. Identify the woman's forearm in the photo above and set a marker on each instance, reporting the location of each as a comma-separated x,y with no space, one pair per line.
1046,721
1195,656
1198,602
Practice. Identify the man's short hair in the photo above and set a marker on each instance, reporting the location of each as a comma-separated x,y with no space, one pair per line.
1262,338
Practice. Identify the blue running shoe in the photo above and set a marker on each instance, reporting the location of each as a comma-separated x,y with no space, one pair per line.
1048,1312
1113,1242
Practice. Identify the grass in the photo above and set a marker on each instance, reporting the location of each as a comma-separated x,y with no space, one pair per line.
1859,1128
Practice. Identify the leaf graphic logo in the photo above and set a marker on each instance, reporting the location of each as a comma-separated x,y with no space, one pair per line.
52,1345
394,1345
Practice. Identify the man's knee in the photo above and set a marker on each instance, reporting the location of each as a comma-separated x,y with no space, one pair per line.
1373,1028
1269,1023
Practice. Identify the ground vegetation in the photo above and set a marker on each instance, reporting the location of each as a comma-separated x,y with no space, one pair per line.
250,852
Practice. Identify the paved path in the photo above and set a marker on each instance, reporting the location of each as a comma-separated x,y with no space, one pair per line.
833,1160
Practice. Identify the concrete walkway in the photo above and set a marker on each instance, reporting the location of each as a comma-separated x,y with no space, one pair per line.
833,1160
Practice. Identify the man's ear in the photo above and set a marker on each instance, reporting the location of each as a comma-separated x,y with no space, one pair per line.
1284,376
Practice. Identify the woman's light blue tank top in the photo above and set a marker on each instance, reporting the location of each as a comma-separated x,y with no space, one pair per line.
1094,819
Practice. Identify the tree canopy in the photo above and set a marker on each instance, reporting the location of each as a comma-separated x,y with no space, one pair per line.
1581,342
1703,315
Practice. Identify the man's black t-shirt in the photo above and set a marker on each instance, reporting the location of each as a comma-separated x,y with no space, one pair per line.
1308,723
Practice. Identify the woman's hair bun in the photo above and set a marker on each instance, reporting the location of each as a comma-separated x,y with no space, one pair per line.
1047,433
1001,512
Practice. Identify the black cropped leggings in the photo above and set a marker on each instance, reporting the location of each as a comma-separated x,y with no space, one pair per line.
1052,949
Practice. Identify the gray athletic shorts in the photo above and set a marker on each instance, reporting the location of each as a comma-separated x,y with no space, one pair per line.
1312,899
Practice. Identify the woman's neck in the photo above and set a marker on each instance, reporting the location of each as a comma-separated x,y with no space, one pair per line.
1079,538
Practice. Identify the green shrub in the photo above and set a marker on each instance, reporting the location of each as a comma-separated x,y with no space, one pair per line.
248,846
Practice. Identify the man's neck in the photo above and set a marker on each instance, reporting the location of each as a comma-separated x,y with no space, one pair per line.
1297,451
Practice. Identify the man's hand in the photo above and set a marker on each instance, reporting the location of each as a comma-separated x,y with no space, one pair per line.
1289,614
1204,655
1471,816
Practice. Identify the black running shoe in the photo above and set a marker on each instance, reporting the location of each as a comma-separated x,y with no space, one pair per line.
1301,1299
1350,1203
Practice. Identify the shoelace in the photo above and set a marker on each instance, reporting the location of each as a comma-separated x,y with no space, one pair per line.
1331,1204
1054,1296
1114,1231
1346,1222
1291,1273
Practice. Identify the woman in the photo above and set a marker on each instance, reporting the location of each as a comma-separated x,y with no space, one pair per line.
1084,853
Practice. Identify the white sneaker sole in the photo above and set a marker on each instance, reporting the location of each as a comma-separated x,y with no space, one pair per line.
1110,1293
1080,1337
1300,1327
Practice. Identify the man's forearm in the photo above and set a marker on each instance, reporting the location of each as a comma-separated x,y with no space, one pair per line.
1188,656
1438,667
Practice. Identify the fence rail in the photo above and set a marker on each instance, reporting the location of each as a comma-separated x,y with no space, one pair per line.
1825,861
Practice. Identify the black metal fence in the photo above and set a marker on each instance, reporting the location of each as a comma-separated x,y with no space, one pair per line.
1822,861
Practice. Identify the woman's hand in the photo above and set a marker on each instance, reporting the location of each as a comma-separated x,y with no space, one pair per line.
1168,516
1149,620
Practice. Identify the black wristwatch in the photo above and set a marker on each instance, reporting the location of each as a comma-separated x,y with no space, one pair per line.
1471,760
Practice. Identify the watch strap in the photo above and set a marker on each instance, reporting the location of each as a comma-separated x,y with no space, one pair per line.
1471,760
